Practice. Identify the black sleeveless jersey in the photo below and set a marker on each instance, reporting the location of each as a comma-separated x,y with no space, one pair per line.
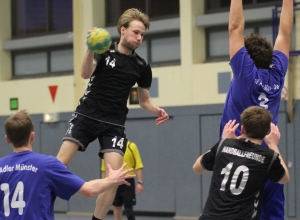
106,96
240,169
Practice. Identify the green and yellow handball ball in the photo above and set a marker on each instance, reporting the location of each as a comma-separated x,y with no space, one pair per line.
98,41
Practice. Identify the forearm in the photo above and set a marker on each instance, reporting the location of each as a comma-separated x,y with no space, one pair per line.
87,68
286,18
286,178
140,183
236,16
149,106
139,174
287,174
275,148
197,167
94,187
103,174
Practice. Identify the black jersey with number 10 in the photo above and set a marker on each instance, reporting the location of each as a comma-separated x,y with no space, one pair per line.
240,169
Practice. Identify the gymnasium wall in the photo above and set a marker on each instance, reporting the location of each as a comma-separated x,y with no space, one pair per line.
194,82
177,86
168,152
193,93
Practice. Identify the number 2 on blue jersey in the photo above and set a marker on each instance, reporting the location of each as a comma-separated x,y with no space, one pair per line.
263,98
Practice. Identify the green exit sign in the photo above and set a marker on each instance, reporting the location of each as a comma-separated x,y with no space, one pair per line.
14,104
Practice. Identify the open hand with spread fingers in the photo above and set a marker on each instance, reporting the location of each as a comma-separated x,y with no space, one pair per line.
272,139
229,129
119,176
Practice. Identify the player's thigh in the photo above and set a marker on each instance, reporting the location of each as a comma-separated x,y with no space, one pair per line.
112,140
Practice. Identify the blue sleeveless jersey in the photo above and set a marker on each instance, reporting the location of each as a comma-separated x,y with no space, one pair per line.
30,183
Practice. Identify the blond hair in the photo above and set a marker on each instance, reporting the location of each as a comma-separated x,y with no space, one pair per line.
130,15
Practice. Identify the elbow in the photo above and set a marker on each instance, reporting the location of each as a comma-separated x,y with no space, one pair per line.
90,193
197,169
237,25
143,103
232,26
230,29
85,75
285,179
87,190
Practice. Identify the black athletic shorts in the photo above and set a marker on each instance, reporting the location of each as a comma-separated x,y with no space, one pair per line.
83,130
125,194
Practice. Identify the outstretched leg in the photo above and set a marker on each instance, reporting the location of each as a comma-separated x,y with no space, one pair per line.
106,198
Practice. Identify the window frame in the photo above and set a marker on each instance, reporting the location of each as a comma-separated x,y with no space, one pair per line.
147,11
148,40
221,58
149,46
48,51
48,17
250,6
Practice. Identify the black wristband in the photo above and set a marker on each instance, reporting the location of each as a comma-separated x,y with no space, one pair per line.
141,182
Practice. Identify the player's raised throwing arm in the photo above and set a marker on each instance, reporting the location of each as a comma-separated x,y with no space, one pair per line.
88,64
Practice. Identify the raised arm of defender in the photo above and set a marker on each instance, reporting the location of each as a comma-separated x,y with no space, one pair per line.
283,39
236,27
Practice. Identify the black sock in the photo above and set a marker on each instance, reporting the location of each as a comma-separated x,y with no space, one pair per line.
94,218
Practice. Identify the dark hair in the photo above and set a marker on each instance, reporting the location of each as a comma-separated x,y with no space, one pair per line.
256,121
259,49
18,128
132,14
